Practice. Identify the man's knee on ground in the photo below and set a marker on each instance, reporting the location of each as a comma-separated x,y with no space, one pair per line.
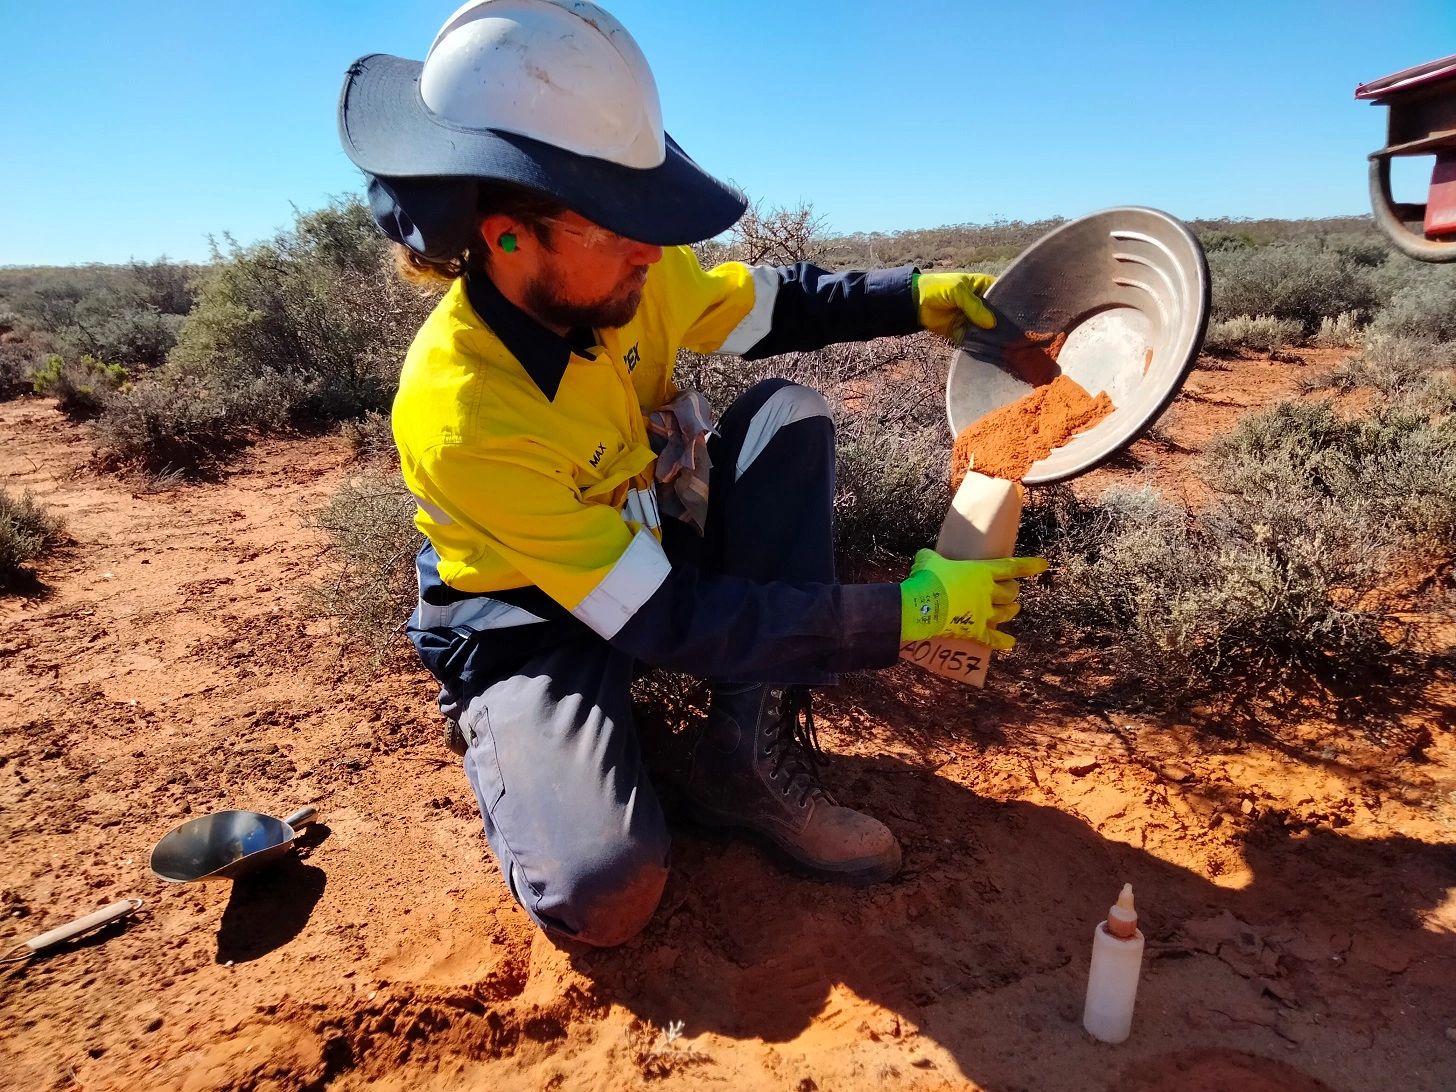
610,900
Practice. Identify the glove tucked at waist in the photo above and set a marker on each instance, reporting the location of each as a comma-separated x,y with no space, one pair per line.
678,433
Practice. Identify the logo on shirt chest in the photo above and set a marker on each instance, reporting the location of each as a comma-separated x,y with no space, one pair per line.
597,458
632,358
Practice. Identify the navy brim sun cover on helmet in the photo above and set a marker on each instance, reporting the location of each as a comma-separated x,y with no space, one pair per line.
422,192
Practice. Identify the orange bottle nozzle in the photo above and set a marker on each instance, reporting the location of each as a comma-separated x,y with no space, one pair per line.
1122,918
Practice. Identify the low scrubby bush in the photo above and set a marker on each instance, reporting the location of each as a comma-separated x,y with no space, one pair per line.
1436,398
1394,366
1392,471
369,523
184,426
1340,332
1248,585
1302,282
1284,568
370,438
1259,333
28,531
893,468
17,364
1419,301
892,491
80,387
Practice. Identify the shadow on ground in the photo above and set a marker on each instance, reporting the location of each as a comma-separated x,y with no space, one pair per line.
268,908
982,945
24,584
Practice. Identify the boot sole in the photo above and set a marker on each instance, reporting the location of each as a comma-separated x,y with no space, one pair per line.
861,873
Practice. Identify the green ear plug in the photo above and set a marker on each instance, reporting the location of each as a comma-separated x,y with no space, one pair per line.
508,242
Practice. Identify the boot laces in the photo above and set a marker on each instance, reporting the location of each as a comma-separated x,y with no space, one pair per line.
792,741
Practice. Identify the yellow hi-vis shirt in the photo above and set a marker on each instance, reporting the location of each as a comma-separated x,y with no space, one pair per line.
524,476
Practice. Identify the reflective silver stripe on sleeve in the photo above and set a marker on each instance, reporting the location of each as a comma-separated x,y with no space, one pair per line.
785,406
759,321
478,613
638,573
433,511
641,507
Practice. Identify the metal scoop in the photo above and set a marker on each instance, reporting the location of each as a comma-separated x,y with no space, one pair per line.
225,845
1127,290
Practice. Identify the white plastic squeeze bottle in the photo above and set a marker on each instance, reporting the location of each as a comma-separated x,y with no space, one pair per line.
1117,957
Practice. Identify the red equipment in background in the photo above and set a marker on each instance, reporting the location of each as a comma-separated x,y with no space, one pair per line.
1422,102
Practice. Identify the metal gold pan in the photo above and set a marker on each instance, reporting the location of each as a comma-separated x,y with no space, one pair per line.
1128,287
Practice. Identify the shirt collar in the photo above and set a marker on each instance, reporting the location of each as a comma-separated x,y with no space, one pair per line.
541,352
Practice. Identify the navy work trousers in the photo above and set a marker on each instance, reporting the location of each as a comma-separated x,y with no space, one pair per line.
553,753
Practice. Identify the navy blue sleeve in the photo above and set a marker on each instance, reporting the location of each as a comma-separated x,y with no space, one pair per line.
726,627
815,308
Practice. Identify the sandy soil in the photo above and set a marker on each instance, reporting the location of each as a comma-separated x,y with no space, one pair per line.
1297,882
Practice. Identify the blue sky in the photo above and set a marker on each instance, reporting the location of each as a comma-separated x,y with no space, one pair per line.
138,129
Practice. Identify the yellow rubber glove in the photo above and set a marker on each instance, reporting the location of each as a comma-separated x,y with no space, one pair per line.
949,301
967,599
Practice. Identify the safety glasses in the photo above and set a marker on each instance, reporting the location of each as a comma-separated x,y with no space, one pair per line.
592,237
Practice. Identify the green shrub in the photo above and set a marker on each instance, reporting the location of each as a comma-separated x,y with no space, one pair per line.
1260,333
79,387
129,314
165,286
138,336
49,305
28,531
318,313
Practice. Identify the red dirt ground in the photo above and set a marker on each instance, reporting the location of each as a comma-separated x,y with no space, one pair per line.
1298,886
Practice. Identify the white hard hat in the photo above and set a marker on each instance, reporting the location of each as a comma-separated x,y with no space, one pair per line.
554,95
561,71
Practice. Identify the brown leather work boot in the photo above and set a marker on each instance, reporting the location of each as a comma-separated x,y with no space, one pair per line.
755,767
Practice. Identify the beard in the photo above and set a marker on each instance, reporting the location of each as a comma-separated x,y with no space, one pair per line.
543,299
